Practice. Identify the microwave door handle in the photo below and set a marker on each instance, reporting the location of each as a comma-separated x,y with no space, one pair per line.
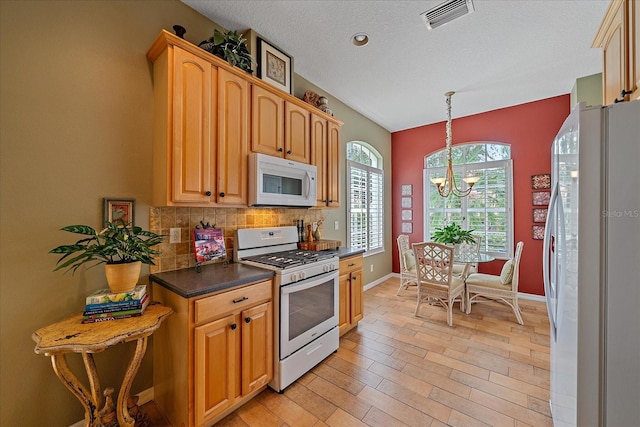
308,184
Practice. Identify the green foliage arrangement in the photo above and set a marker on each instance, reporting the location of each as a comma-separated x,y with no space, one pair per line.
231,47
452,234
117,243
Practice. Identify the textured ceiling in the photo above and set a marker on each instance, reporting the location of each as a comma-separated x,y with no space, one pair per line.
507,52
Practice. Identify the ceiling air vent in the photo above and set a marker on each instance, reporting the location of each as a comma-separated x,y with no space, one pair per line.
446,12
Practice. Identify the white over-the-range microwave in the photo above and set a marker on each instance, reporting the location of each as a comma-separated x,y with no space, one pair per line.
274,181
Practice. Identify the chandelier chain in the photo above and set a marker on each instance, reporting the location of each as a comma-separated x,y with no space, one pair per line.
448,185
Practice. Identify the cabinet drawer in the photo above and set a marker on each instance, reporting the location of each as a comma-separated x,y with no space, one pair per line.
350,264
234,300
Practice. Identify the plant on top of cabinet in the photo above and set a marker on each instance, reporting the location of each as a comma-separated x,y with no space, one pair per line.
231,47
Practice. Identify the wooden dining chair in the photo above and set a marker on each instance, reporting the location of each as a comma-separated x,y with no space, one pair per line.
436,282
407,264
503,288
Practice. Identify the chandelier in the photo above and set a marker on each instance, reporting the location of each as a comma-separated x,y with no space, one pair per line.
448,185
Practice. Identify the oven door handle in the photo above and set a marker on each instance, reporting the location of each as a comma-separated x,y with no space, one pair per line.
296,287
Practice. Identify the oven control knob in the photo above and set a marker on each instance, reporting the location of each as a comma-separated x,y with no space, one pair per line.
301,275
294,277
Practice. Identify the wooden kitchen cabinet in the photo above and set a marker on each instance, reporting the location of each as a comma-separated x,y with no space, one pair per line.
200,131
351,304
208,115
279,128
267,122
325,155
619,38
184,129
233,139
297,134
215,354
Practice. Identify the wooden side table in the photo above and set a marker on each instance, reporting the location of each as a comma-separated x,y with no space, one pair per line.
72,336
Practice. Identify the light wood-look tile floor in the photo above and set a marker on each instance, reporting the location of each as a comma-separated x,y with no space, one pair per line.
395,369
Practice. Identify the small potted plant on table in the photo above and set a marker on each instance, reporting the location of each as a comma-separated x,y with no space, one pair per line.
123,248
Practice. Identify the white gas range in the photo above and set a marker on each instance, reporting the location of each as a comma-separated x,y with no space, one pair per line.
305,298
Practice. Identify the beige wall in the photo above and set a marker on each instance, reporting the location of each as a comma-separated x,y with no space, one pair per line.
76,126
357,128
587,89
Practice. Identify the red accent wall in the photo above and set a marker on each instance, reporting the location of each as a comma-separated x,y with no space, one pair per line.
529,129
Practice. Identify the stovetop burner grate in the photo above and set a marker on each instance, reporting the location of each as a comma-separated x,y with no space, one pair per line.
291,258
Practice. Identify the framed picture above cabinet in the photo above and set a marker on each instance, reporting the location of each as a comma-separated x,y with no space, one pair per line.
274,66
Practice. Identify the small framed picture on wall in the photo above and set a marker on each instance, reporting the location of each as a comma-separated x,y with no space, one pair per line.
406,202
407,227
116,210
407,215
407,189
540,215
538,232
541,182
541,198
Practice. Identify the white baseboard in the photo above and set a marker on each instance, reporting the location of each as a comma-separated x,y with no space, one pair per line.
532,297
380,280
143,397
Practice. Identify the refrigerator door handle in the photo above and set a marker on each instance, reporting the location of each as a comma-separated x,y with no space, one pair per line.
548,258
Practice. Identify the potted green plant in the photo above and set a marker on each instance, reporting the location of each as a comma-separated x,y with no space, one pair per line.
231,47
123,248
452,234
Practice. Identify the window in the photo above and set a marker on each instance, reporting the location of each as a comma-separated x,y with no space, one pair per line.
488,210
365,192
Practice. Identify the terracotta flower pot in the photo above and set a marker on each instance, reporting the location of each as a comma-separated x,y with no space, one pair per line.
123,277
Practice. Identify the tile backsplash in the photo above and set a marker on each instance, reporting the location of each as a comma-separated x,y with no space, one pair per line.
176,256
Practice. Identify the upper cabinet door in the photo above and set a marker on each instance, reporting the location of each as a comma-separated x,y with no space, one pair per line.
634,48
297,133
191,148
333,168
267,122
233,139
619,37
319,157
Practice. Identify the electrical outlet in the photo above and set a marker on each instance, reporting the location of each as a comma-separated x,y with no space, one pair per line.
372,268
174,235
335,225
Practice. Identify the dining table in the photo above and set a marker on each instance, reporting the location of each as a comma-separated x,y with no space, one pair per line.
469,258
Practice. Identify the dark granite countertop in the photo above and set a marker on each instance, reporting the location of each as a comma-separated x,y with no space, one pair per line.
343,252
213,278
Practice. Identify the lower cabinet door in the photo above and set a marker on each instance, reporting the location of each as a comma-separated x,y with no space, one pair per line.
357,301
257,347
344,306
216,366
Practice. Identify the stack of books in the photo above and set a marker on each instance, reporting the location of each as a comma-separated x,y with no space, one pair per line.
104,305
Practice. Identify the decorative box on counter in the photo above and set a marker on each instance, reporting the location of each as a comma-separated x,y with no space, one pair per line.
319,245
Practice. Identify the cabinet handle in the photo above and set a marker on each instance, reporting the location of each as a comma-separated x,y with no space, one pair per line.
233,326
289,152
351,265
222,194
247,319
330,201
623,93
207,193
280,150
237,300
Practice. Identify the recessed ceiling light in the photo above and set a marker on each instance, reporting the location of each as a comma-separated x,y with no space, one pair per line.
360,39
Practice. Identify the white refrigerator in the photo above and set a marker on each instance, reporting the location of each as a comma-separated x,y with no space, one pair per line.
591,264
